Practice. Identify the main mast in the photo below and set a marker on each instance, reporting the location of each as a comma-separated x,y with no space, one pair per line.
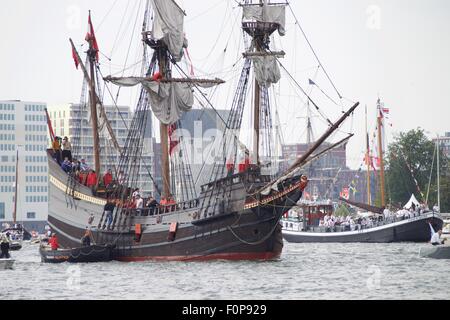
168,97
163,128
260,20
380,152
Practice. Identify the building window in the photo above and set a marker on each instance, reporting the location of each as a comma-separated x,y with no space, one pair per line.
31,215
2,210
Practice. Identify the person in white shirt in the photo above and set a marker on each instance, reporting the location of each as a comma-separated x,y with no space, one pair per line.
136,193
436,238
352,224
139,202
386,213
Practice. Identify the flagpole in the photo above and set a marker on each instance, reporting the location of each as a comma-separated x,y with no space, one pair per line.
380,152
438,172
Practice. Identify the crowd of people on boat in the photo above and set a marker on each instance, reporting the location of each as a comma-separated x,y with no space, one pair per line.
350,223
137,203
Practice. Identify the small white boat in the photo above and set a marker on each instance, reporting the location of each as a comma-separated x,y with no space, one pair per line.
6,263
435,252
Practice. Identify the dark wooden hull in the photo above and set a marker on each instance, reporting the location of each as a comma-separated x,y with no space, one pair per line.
92,253
412,230
248,231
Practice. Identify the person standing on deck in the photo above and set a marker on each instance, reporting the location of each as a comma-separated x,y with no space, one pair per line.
386,213
136,192
151,204
56,146
139,203
66,149
436,238
66,165
86,239
108,210
53,242
83,165
107,178
91,179
4,246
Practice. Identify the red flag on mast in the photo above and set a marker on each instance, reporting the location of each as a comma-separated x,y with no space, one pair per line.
173,141
90,36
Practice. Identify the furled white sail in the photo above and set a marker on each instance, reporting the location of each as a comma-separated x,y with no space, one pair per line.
169,99
168,26
267,70
267,13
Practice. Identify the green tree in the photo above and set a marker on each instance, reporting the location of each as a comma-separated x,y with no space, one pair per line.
342,211
408,160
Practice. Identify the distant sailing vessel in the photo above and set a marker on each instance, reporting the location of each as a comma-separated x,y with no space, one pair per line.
237,214
16,233
414,228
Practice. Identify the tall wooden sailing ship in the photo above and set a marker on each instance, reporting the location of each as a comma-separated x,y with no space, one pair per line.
237,214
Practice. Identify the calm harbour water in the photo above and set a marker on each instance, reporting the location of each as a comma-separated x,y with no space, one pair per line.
305,271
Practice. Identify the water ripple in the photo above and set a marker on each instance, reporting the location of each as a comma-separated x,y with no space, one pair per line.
305,271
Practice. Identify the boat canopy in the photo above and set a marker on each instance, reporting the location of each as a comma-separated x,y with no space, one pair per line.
412,200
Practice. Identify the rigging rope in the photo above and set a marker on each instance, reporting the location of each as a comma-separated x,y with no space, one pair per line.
312,49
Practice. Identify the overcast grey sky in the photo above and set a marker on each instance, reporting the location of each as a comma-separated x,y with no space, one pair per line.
399,49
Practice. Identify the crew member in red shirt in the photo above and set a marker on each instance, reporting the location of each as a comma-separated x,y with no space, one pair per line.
91,179
53,242
107,178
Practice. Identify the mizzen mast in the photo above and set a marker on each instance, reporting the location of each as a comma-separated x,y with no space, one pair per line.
93,58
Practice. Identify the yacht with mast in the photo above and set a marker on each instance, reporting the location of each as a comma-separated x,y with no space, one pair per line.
16,233
237,214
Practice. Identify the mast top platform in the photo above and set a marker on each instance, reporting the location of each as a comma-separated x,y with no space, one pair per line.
259,28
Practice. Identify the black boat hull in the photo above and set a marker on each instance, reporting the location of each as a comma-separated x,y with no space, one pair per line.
93,253
251,231
412,230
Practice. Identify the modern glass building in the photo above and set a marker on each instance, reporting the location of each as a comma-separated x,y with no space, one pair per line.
23,144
